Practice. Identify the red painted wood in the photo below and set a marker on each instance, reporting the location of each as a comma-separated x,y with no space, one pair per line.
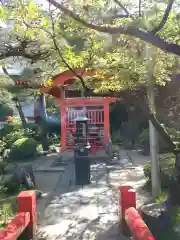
26,202
94,101
15,227
127,199
106,123
68,76
10,114
139,229
96,117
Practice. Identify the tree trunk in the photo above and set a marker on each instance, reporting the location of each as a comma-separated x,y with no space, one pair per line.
162,131
20,111
42,115
150,58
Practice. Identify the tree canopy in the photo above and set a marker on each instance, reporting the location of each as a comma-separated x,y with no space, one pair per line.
149,21
61,36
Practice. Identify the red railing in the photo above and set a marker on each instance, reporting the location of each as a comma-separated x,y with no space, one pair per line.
130,218
24,223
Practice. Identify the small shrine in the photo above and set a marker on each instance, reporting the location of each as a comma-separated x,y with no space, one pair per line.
82,118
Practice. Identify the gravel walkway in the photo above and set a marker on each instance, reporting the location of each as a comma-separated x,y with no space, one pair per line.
92,212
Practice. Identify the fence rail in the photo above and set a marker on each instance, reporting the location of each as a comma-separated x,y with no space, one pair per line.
130,220
24,223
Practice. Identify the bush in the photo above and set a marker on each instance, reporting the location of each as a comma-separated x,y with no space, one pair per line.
2,146
167,166
31,131
53,139
52,149
12,137
39,148
6,213
143,142
23,148
11,187
3,165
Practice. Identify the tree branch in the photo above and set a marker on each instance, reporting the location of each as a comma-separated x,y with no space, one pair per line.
6,73
122,6
52,35
20,50
139,8
162,131
164,18
148,37
17,52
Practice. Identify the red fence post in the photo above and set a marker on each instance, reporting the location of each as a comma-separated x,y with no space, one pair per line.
127,197
139,229
26,202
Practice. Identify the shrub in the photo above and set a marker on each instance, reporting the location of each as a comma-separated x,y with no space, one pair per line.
31,131
2,146
167,165
11,187
23,148
52,149
10,138
39,148
143,142
6,213
53,139
3,165
175,135
14,131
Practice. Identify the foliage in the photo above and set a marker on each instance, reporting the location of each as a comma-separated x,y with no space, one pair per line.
13,136
39,148
5,102
6,214
52,108
23,148
2,146
119,57
14,131
160,199
116,137
3,165
166,164
144,136
52,149
143,142
54,139
174,134
11,187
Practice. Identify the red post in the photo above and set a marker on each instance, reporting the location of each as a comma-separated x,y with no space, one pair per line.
127,200
139,229
26,202
106,123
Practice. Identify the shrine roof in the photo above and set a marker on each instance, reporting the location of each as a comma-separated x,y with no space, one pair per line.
66,78
82,101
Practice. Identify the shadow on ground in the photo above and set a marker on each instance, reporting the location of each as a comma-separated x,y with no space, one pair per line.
91,212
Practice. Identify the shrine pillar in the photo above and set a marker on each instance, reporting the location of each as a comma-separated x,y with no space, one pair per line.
106,123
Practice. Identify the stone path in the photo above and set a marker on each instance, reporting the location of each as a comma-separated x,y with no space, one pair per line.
92,212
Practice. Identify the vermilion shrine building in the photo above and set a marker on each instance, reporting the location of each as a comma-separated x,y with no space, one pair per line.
96,109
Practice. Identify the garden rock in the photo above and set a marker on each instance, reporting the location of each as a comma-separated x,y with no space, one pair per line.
24,175
157,217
